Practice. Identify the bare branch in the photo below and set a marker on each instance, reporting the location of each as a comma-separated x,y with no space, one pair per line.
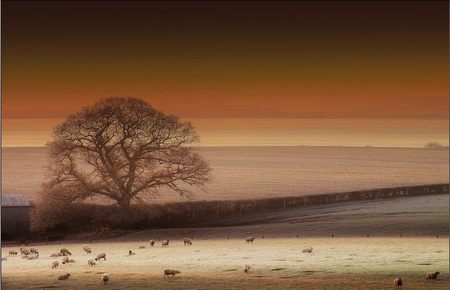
123,149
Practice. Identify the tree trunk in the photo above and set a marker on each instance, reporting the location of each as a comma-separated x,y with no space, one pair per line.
124,203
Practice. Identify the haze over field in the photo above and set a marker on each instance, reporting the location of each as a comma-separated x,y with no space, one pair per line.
25,132
254,172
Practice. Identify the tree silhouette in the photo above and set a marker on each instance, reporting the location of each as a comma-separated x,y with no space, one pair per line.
123,149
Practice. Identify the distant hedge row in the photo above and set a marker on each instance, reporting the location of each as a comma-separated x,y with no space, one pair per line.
81,216
204,212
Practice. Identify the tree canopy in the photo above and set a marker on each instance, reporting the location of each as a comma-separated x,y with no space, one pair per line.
123,149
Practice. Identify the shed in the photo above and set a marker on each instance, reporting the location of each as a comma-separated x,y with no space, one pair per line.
15,217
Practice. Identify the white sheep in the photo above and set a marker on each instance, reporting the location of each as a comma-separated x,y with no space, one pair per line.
65,260
91,262
65,252
171,272
432,276
33,257
398,282
55,264
101,256
24,251
247,268
87,249
64,277
165,243
308,250
105,278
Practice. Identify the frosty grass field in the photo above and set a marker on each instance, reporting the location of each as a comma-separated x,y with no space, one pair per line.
339,263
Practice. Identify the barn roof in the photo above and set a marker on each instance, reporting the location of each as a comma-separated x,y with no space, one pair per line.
14,200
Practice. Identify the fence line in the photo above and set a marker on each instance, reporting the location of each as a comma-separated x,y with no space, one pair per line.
180,214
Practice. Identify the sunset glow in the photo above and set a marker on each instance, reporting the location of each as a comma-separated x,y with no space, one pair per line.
345,60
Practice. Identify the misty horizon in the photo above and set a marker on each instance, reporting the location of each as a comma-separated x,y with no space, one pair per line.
271,132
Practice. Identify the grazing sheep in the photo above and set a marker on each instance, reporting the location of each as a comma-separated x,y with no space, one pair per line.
54,255
432,276
131,253
308,250
55,264
169,272
34,251
187,241
12,253
152,243
101,256
87,249
65,252
33,257
65,260
91,262
247,268
105,278
64,277
249,240
165,243
24,251
398,283
141,247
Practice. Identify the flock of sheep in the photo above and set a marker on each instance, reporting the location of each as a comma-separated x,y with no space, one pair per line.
398,282
33,253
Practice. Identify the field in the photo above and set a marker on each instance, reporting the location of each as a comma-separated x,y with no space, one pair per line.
218,264
350,260
408,236
256,172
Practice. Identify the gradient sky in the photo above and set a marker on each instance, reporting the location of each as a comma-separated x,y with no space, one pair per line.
228,60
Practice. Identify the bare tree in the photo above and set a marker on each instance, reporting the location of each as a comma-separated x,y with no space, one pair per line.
435,145
123,149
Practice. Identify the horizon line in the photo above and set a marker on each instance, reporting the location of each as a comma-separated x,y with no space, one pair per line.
444,146
282,118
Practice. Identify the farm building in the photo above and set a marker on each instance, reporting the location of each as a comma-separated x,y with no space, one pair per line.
15,217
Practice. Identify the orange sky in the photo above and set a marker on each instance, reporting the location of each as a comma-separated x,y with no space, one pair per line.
229,60
271,132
